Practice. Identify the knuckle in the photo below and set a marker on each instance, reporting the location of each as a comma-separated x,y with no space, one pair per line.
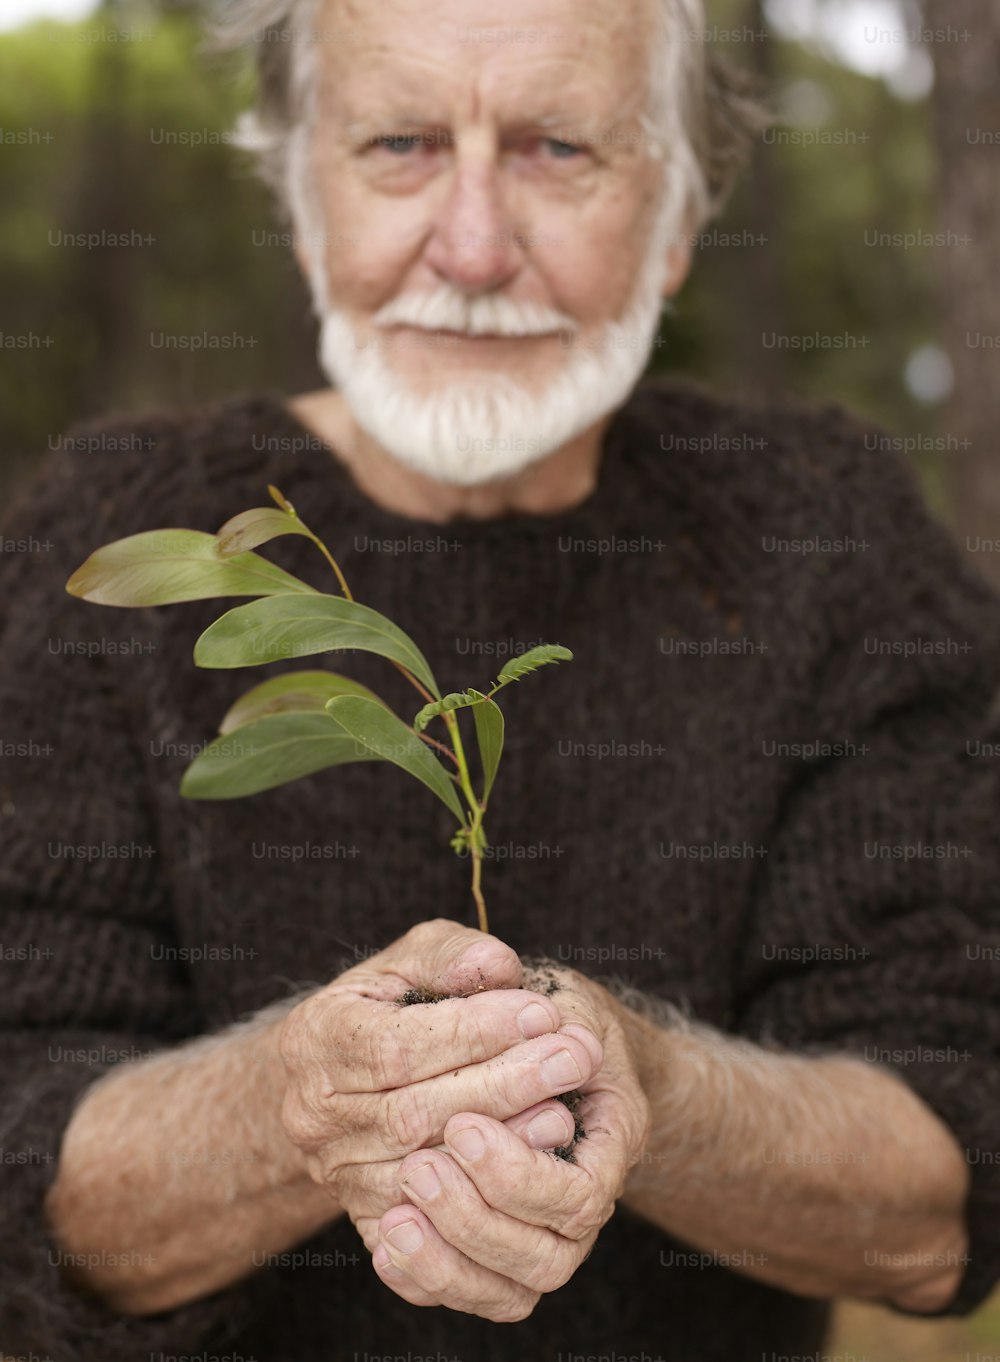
468,1222
300,1122
384,1059
507,1083
403,1123
314,1124
340,1184
362,1187
569,1201
475,1032
588,1217
553,1268
514,1309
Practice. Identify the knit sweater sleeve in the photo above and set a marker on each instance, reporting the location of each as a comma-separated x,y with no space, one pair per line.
875,920
85,914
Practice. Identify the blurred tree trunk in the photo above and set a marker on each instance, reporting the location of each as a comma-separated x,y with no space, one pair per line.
967,111
102,200
748,297
762,308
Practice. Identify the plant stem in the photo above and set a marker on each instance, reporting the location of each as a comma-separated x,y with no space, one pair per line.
458,755
433,742
476,813
477,893
333,563
290,510
413,680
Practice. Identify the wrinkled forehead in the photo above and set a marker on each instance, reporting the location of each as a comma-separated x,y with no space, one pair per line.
475,60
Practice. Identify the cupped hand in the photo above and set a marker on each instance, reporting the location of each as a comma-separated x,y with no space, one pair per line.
490,1224
369,1082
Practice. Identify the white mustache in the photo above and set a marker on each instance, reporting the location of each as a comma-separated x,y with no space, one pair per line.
448,309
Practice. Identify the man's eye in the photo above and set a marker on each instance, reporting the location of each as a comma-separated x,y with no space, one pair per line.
398,145
563,151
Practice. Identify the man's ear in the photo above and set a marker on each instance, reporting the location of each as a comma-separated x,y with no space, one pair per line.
679,256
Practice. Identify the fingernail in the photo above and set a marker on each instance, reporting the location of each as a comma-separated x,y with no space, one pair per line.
587,1039
534,1021
424,1181
560,1070
468,1143
407,1237
546,1131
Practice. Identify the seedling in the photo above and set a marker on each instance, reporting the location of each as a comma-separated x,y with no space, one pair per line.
298,723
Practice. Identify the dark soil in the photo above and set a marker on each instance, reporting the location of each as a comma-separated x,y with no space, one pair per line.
421,995
571,1101
540,977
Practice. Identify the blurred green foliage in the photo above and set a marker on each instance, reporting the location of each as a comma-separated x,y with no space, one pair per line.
129,142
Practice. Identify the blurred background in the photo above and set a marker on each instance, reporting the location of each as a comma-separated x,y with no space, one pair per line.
860,261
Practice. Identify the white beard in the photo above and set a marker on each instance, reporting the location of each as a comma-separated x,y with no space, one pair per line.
488,426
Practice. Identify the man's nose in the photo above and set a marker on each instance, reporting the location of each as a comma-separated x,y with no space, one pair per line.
474,245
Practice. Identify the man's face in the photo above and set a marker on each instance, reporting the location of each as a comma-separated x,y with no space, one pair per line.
478,176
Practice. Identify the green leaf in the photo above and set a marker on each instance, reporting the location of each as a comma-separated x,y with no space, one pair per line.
489,735
292,691
532,660
162,567
489,727
280,500
457,699
460,842
273,751
250,529
385,735
284,627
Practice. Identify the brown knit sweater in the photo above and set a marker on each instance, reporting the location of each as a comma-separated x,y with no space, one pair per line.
766,789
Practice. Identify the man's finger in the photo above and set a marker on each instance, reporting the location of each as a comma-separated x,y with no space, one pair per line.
508,1245
397,1280
442,957
547,1125
439,1270
373,1047
413,1117
368,1190
575,1004
570,1199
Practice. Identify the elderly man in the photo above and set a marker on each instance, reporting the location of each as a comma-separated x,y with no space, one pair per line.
760,792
